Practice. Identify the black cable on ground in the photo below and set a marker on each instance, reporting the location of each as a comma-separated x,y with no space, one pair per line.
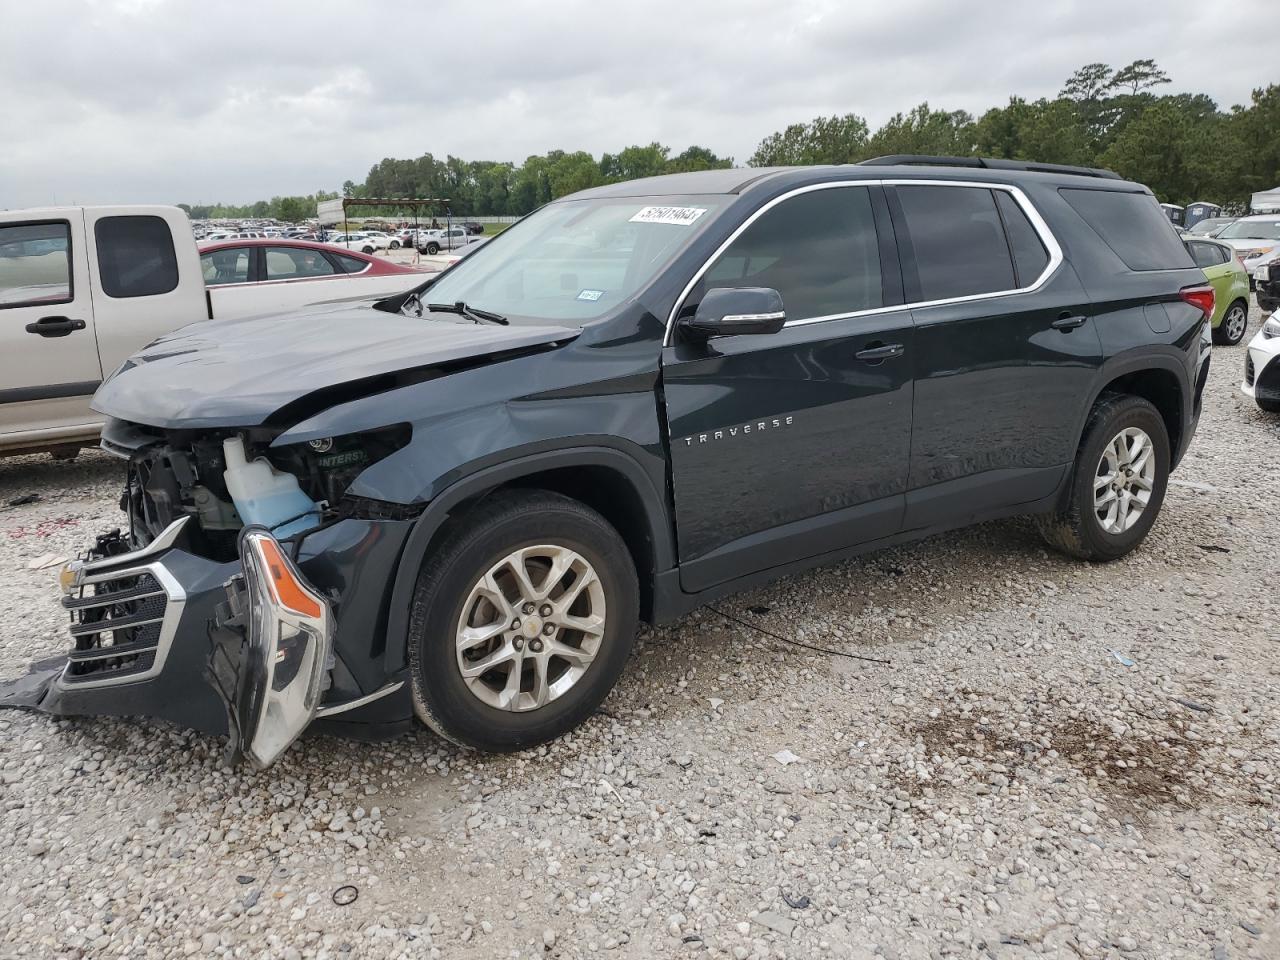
795,643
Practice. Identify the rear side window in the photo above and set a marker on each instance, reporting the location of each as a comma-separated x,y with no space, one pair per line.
1029,255
958,241
819,250
1133,226
35,264
295,263
135,256
1207,254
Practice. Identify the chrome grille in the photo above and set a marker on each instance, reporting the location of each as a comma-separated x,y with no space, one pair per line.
125,607
115,624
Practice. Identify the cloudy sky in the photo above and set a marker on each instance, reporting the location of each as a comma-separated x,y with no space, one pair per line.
177,100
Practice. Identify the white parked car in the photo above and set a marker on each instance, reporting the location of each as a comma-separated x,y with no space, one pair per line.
379,239
1262,356
353,241
1256,239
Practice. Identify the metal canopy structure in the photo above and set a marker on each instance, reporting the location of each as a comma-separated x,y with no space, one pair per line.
330,208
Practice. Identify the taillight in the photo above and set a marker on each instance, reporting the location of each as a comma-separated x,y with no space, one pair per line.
1201,297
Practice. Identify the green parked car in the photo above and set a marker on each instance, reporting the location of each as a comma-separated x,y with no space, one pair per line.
1230,282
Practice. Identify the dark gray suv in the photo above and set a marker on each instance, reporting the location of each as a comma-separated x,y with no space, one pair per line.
459,502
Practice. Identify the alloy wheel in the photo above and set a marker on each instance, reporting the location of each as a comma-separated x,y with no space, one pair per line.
1124,480
530,627
1234,323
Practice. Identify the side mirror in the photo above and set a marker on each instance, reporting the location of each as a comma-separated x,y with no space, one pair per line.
732,311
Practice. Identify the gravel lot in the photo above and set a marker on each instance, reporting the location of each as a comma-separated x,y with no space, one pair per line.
1009,785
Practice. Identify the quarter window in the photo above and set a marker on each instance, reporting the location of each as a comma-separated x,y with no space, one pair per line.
1029,255
817,249
225,266
1133,226
136,256
35,264
350,264
295,263
958,240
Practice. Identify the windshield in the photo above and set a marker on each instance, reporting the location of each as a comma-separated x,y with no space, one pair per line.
576,260
1252,230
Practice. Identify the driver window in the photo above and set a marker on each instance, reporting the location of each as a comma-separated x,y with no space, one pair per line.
817,249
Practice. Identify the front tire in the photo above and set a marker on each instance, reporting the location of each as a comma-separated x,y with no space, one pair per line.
433,249
1117,484
1233,326
521,622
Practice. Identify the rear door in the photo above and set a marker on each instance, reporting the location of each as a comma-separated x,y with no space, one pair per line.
48,354
1006,350
146,275
795,444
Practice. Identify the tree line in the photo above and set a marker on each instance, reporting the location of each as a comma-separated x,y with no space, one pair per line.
1183,146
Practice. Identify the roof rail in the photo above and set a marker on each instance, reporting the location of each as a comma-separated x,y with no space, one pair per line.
988,163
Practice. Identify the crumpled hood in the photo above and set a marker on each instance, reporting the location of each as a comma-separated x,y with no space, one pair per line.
224,374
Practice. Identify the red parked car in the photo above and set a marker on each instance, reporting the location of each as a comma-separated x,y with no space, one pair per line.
277,274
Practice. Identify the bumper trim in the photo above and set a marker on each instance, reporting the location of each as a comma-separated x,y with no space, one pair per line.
328,710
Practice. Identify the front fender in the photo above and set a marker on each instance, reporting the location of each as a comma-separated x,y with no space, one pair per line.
486,478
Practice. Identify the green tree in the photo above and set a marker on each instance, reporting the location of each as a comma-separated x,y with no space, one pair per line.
838,139
1138,76
632,163
925,131
697,158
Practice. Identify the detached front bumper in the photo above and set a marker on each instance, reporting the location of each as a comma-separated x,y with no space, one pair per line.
256,648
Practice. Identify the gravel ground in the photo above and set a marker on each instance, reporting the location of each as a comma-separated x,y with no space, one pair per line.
1060,759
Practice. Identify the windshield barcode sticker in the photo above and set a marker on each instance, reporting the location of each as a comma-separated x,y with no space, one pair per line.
681,215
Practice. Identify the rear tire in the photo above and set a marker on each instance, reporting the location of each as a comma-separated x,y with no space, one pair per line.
470,597
368,251
1233,326
394,245
1104,516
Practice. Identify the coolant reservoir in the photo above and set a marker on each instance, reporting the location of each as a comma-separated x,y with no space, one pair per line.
265,496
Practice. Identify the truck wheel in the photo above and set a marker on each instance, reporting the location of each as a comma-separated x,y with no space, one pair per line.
433,248
521,621
1234,323
1117,484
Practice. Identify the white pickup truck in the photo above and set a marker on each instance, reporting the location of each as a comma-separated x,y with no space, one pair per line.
83,288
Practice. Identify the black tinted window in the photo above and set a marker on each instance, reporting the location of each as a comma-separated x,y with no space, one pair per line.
1133,226
958,241
1206,254
818,250
1029,255
135,256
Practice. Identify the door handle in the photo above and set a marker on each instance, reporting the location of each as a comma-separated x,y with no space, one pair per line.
54,326
1069,322
879,352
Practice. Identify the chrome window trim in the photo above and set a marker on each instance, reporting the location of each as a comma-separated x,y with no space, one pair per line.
1037,223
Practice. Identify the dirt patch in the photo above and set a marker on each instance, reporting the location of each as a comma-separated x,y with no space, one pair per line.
1137,771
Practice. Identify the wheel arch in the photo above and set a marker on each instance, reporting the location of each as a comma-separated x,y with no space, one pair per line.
607,480
1158,379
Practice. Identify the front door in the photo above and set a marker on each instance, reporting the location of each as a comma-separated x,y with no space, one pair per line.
792,445
48,353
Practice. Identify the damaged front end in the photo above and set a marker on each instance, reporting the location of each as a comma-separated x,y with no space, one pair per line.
194,617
